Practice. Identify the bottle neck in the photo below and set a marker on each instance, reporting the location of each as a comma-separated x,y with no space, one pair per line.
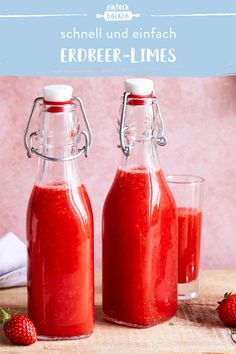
58,136
141,127
143,155
53,173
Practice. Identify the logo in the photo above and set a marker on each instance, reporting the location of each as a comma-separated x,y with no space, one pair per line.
117,12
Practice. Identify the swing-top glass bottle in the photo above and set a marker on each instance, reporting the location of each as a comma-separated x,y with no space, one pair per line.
139,220
59,221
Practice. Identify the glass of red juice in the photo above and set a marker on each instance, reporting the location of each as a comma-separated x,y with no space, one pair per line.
188,194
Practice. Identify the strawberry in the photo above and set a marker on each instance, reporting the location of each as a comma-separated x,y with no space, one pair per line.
18,328
227,309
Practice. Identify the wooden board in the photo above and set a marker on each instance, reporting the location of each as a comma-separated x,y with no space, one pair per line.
195,329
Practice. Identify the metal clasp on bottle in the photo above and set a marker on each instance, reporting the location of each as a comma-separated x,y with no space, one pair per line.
28,139
160,138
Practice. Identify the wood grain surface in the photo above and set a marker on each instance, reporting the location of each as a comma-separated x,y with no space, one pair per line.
195,328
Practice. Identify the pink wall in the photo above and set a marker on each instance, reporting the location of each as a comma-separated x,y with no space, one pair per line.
200,120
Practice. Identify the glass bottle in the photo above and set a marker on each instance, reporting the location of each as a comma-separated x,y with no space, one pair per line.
59,222
139,220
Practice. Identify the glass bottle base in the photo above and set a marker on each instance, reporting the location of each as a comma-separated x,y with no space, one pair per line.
188,291
128,324
55,338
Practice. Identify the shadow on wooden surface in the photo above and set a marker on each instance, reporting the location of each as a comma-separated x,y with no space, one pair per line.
99,318
198,314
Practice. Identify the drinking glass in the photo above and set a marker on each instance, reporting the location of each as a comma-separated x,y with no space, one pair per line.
188,194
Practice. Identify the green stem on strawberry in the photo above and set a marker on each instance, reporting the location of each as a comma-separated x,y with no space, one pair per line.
5,316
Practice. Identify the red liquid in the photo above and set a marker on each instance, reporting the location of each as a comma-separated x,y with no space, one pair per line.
139,249
189,236
60,261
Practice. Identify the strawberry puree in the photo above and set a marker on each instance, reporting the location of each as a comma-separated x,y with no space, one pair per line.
60,252
189,235
139,249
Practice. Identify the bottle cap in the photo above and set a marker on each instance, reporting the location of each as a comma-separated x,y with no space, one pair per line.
139,86
57,93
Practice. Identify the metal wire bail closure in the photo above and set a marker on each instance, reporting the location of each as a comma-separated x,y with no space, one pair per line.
86,134
160,139
125,147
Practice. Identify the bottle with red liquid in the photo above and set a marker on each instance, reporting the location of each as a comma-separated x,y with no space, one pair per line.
139,220
60,221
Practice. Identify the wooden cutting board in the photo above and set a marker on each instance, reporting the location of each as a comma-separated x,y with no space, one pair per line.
195,329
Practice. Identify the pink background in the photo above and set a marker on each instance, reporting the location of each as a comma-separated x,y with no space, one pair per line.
200,121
